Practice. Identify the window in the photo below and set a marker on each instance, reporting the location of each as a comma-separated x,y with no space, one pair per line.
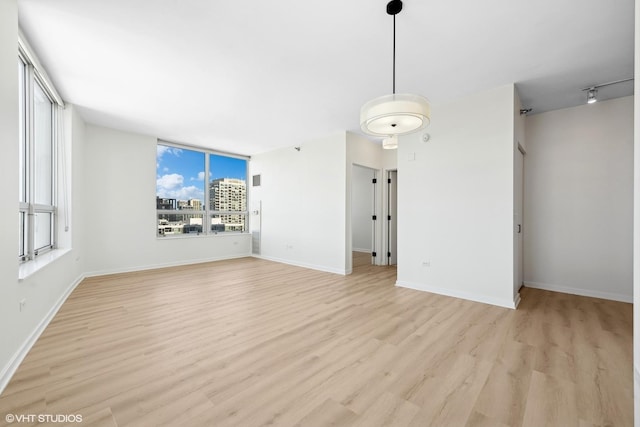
38,115
199,192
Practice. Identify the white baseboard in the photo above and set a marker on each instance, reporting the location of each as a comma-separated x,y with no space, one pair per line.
163,265
342,272
458,294
581,292
516,303
367,251
10,369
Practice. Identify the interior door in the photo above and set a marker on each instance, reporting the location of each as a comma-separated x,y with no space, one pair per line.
363,211
392,218
518,221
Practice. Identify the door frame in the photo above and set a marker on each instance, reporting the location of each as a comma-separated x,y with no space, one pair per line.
377,230
384,260
518,224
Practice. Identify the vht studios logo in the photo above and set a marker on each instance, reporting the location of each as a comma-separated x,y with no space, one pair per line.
43,418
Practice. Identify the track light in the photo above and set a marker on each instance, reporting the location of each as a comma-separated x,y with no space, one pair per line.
592,91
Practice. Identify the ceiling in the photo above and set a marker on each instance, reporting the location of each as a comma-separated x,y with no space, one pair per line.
251,76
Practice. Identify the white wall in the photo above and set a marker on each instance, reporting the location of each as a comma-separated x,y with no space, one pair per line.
579,200
636,222
121,182
455,200
9,132
304,200
362,195
390,159
519,123
47,288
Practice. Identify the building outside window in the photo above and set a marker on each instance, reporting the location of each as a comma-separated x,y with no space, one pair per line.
199,192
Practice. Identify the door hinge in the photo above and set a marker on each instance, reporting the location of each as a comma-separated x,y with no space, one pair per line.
388,254
389,218
389,181
374,181
373,254
374,217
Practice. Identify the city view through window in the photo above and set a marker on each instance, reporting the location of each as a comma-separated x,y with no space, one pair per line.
196,188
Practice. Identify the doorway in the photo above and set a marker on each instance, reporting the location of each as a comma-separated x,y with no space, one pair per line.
392,217
363,214
518,220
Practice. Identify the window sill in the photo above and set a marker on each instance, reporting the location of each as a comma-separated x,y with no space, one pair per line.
28,268
201,236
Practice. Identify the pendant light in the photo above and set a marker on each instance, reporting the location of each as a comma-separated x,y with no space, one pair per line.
396,114
390,142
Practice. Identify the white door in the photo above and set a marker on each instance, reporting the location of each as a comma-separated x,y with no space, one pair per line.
392,219
363,210
518,221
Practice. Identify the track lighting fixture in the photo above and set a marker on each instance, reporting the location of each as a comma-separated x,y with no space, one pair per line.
592,91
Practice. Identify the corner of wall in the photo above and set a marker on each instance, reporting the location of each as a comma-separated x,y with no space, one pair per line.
451,239
636,219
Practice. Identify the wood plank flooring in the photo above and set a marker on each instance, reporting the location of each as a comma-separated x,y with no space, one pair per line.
249,342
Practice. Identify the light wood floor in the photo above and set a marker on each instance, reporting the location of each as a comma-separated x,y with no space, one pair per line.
249,342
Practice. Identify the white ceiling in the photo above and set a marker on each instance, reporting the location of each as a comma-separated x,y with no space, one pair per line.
250,76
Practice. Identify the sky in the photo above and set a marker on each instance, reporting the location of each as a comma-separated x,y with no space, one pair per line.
180,172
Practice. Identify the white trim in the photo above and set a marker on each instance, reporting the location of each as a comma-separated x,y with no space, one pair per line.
28,51
363,250
164,265
342,272
516,301
201,235
30,267
581,292
458,294
14,363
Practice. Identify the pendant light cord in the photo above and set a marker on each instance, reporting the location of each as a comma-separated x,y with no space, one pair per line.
394,54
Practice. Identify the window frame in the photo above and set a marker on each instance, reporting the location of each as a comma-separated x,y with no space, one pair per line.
206,212
28,209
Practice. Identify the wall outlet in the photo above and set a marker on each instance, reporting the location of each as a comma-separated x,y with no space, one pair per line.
23,303
426,263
